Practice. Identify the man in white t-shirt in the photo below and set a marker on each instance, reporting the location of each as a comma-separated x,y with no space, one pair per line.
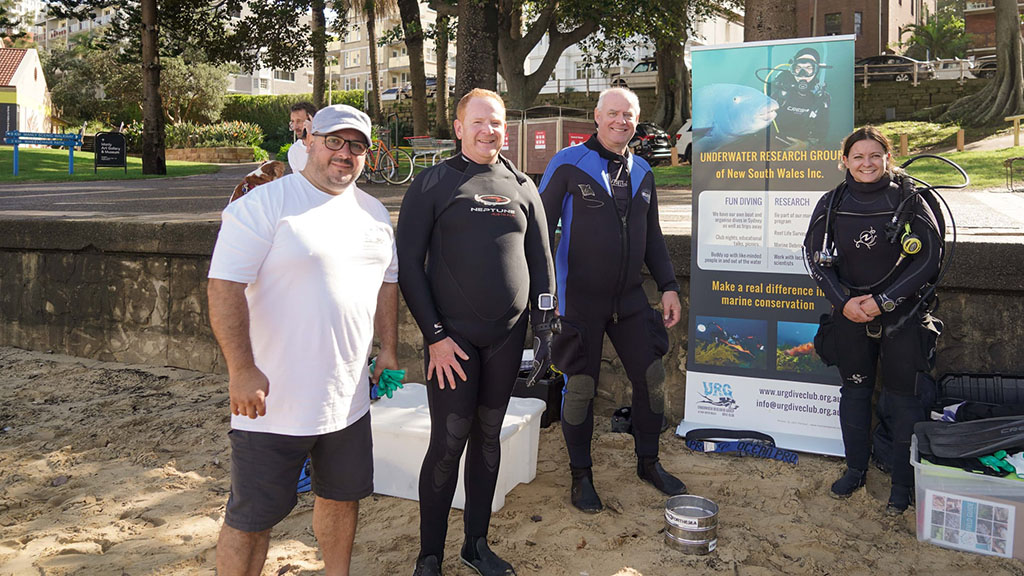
299,123
303,275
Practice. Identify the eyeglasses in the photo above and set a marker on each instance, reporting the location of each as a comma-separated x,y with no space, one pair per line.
336,143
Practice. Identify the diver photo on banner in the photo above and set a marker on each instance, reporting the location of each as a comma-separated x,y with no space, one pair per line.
768,123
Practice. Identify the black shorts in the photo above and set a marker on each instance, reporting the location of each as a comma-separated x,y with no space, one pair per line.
265,471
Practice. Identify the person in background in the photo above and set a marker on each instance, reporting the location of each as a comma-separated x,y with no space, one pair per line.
299,121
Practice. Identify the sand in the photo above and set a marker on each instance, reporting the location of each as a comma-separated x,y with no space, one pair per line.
111,469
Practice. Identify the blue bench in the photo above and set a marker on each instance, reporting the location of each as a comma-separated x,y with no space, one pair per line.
45,139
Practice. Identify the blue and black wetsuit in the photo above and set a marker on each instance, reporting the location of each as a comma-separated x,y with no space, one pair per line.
608,206
474,253
867,263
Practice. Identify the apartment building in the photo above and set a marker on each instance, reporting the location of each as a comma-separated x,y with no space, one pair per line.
876,23
980,24
51,32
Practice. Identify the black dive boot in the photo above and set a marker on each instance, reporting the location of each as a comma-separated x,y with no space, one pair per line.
479,557
849,483
900,498
583,494
649,469
428,566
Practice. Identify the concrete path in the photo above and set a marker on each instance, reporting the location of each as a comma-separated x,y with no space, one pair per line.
994,215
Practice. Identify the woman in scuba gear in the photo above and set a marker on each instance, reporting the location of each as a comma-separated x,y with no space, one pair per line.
872,246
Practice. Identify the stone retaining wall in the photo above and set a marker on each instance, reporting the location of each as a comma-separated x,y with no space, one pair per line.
136,292
224,155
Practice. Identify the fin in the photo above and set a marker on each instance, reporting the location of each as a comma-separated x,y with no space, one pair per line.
970,439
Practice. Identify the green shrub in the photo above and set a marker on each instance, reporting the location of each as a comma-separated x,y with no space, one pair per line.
282,152
271,112
189,135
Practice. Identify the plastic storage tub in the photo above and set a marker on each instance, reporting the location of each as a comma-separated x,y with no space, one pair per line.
401,432
964,511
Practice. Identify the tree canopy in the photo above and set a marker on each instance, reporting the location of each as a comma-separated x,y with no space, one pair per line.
941,35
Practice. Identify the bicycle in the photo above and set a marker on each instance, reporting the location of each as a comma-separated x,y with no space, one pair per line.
385,164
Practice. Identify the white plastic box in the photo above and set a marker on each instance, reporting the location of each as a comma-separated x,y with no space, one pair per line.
401,432
964,511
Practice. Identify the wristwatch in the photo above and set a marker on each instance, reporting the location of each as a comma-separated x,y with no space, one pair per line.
547,301
885,303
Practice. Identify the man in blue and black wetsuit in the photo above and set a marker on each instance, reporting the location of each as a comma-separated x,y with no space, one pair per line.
606,199
475,255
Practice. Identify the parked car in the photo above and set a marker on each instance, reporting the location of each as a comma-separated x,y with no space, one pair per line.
893,67
651,143
643,75
985,67
952,69
684,142
391,94
431,88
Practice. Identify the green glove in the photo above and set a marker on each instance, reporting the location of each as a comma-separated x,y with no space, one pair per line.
997,463
390,380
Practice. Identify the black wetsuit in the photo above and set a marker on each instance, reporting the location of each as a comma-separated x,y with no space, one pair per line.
609,211
483,228
867,264
803,114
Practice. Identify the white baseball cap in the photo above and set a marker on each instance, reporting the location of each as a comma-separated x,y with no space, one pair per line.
340,117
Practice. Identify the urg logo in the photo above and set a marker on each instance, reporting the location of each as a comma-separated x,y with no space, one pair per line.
717,390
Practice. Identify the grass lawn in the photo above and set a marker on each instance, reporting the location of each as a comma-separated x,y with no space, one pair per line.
51,165
985,168
672,176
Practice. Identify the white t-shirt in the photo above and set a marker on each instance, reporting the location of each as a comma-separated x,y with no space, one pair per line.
314,264
297,156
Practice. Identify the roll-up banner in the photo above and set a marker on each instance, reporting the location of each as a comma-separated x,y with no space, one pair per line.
768,124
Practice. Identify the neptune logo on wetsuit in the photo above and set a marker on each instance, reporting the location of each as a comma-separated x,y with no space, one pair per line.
492,199
646,194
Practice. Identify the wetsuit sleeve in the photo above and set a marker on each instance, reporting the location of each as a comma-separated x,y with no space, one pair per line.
656,256
826,278
415,227
538,251
924,265
552,194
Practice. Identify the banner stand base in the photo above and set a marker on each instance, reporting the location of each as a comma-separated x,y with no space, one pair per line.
795,442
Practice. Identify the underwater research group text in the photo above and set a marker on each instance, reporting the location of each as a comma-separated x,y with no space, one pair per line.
771,156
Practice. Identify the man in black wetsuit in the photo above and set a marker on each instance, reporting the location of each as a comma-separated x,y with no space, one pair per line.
606,199
482,224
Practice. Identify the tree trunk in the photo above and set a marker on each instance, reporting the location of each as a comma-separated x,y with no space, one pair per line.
477,60
769,20
673,103
1004,96
318,38
153,158
413,29
514,47
443,124
371,36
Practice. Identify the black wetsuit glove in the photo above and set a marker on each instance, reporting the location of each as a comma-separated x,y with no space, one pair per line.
542,334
